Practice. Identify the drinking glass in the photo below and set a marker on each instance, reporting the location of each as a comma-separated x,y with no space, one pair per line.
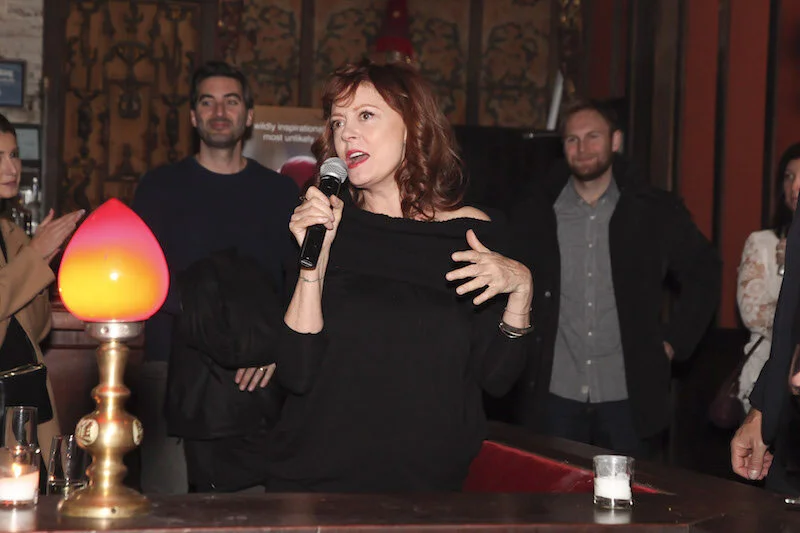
613,475
66,467
19,476
19,458
20,427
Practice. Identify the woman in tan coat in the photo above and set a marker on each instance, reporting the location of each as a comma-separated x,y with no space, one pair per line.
25,273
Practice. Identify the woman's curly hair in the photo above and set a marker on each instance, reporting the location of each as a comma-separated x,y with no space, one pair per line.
430,178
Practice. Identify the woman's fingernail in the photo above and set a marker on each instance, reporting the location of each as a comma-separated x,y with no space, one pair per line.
753,474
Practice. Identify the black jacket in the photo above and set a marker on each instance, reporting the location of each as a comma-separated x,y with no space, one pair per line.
230,319
651,237
780,424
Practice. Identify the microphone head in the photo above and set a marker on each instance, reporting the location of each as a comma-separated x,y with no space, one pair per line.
335,168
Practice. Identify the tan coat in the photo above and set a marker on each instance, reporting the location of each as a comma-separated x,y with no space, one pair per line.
23,292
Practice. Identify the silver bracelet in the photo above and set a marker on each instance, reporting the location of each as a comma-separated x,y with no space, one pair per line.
519,314
513,332
309,280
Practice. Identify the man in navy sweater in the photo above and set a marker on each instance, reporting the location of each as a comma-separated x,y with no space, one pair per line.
215,200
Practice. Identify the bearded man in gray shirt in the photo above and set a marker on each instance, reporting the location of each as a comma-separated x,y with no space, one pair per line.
601,243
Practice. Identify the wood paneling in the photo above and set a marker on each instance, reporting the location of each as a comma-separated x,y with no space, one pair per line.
126,74
787,87
440,35
517,65
266,45
744,136
696,173
344,31
667,77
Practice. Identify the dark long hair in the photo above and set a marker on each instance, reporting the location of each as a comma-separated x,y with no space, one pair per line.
6,127
430,177
782,218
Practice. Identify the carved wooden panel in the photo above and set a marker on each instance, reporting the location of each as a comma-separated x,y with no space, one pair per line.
263,39
344,31
127,75
517,63
440,34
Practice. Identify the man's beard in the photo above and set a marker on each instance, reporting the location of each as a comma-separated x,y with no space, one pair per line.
592,174
221,140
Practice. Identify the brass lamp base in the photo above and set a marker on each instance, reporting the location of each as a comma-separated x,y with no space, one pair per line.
120,502
108,433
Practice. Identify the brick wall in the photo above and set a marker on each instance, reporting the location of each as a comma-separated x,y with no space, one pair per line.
21,34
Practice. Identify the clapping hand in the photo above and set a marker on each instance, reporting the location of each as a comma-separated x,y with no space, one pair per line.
52,232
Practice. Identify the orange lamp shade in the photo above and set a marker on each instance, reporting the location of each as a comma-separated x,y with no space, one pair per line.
113,269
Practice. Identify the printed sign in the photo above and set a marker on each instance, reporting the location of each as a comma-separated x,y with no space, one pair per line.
281,140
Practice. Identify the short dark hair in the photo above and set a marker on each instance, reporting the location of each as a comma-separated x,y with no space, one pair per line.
213,69
604,110
6,126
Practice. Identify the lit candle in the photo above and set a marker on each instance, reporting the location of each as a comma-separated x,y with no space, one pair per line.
21,485
617,487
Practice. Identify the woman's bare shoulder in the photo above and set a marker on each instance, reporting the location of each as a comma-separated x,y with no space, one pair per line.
463,212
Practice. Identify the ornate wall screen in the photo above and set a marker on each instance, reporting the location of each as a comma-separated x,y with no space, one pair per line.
263,38
515,48
121,107
127,73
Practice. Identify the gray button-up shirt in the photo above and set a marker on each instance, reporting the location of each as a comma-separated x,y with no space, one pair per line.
588,363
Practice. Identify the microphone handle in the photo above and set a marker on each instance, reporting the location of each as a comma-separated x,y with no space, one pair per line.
315,235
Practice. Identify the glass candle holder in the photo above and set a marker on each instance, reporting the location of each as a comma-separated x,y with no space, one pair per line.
19,476
613,475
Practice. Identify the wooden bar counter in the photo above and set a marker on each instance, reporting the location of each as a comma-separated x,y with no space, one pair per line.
519,483
685,502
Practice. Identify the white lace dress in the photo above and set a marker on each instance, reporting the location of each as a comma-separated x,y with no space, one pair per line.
757,291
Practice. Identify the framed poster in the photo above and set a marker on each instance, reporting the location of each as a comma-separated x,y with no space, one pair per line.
282,138
12,83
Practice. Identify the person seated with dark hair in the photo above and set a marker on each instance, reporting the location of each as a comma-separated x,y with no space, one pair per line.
410,312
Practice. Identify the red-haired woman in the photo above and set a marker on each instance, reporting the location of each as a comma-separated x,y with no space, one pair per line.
393,337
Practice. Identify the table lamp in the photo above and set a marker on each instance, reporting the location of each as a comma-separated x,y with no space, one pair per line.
113,276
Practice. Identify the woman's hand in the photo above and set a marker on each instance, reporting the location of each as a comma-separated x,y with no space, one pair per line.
497,273
250,378
51,233
304,313
317,209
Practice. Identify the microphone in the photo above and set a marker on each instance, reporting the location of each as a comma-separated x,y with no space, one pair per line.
332,172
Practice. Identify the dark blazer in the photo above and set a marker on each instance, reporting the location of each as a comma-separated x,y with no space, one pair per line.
779,423
651,237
